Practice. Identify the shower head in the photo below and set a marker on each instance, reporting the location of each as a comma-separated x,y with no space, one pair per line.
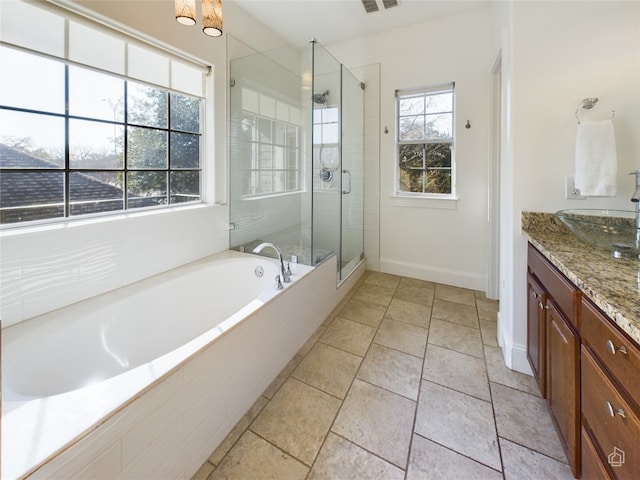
321,98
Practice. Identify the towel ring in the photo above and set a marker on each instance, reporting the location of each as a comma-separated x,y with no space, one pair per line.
588,104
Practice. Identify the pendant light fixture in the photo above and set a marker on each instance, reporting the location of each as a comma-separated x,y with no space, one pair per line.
185,11
211,15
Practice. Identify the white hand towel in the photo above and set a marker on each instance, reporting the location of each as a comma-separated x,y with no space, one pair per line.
596,161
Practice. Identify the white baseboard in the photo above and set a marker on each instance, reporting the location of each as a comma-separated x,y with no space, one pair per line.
434,274
514,355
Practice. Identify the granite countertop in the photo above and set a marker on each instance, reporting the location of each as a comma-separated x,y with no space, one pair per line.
613,284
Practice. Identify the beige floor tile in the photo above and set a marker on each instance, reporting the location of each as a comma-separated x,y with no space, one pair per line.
377,420
456,337
456,294
430,460
415,291
499,373
480,295
297,419
392,370
237,431
489,331
458,421
402,336
458,371
255,458
282,376
312,340
409,312
374,293
520,463
385,280
487,309
455,312
343,460
414,282
354,337
363,311
329,369
203,472
524,418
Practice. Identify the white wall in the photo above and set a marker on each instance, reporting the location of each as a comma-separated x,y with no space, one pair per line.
557,53
443,245
50,266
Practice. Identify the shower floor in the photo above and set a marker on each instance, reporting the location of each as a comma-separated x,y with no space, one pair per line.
404,380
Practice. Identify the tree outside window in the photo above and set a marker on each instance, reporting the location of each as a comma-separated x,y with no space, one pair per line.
425,140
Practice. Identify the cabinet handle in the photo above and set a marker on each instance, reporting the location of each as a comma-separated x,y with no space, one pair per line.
615,411
612,348
540,305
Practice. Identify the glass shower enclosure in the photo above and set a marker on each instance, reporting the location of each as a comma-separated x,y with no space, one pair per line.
297,155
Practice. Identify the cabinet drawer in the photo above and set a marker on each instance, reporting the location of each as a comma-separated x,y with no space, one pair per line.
618,353
614,423
592,466
560,289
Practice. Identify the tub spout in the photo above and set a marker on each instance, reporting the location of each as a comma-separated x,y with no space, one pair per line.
284,274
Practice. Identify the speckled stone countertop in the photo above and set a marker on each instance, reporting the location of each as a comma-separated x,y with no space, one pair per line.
613,284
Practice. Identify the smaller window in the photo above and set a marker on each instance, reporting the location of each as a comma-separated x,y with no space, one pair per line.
425,140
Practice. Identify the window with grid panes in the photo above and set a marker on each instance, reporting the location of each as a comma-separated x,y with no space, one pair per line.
94,121
425,141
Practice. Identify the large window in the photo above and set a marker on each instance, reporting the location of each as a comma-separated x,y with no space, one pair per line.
425,141
77,141
93,120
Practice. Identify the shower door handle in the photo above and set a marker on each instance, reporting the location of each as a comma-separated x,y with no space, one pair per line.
347,192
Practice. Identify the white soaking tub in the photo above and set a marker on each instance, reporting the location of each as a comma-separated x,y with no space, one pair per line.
145,381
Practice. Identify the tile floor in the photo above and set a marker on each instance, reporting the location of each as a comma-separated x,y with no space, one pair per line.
404,380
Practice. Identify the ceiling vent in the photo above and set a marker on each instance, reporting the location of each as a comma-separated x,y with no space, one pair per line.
370,5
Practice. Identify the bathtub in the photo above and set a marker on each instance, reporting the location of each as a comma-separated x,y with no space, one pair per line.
145,381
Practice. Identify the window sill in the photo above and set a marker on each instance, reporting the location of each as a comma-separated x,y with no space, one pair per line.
38,226
444,202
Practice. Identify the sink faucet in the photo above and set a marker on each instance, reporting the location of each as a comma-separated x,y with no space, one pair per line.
284,272
635,198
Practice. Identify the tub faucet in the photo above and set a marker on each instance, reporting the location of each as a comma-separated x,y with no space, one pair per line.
284,273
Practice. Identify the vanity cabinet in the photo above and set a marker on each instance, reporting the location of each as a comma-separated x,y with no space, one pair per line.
610,395
588,370
553,326
536,332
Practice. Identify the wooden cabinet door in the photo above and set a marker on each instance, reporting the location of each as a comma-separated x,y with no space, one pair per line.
536,332
563,382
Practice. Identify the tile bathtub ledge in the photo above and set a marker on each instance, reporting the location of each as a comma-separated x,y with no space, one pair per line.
612,284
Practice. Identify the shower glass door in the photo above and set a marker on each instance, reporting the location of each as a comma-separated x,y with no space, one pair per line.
338,162
352,174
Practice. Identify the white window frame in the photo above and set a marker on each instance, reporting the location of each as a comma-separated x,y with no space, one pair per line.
424,199
178,73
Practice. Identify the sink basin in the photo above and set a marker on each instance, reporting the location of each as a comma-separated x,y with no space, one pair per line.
614,230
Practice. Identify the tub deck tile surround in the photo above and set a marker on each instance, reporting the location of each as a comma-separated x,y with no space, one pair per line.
404,395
